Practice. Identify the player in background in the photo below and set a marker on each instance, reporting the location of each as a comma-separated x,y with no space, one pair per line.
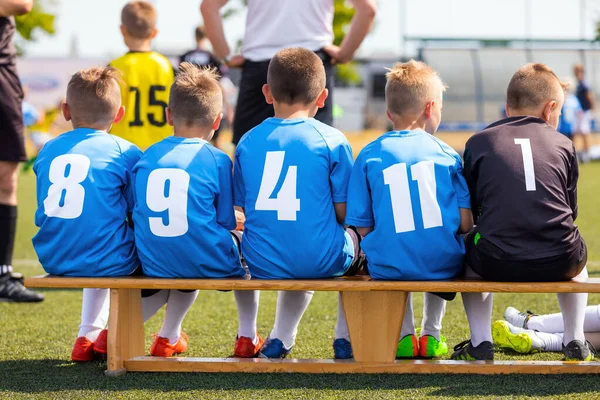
84,193
291,177
188,181
407,195
588,104
201,57
571,113
148,77
522,176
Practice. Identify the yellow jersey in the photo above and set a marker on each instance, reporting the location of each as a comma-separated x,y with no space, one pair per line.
148,78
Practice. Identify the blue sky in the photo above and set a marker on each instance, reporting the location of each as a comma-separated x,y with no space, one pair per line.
92,26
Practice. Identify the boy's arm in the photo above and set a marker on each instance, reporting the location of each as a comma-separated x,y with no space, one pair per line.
239,193
224,200
360,204
359,28
340,212
340,169
572,184
131,156
466,220
213,23
10,8
471,182
464,199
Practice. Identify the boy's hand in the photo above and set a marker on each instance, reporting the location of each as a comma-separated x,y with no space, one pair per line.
240,218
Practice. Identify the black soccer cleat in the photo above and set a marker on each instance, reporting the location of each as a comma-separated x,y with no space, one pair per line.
466,351
12,290
575,350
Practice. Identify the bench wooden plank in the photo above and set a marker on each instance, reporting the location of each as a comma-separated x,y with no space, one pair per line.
154,364
353,284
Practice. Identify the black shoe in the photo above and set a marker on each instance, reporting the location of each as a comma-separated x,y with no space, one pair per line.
466,351
12,290
575,350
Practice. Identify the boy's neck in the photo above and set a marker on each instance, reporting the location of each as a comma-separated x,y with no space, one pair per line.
408,124
193,132
292,111
134,44
201,45
97,127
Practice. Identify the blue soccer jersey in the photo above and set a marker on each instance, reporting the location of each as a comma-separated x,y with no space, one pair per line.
287,175
84,192
409,186
184,211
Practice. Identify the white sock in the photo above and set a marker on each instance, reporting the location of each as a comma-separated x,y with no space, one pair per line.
408,323
434,308
247,307
290,308
341,327
572,306
478,307
549,341
95,306
151,304
178,305
553,323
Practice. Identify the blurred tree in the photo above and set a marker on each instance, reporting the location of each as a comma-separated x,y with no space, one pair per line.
37,19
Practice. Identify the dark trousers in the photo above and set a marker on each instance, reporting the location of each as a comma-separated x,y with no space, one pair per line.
252,109
550,269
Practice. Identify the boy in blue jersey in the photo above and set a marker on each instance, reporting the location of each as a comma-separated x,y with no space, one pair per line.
84,193
291,176
184,206
407,195
571,113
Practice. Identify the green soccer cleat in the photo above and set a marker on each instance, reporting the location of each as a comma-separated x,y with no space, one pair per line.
522,342
466,351
430,347
408,347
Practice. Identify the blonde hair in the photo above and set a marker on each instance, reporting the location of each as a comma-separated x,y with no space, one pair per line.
196,97
296,76
94,95
533,85
410,85
139,19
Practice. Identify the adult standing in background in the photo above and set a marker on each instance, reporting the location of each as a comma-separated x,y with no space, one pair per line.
12,151
272,25
588,104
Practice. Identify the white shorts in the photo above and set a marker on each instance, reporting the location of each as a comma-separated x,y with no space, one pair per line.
585,124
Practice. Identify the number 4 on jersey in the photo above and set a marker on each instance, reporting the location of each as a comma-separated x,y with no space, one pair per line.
286,204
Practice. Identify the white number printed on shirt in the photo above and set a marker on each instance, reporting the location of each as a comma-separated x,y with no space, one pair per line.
66,173
527,164
396,177
286,204
175,202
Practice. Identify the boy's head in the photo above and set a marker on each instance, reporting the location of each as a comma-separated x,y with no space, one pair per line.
94,98
196,100
579,71
200,34
296,76
536,90
138,20
414,92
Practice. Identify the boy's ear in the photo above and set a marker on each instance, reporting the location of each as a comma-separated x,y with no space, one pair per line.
217,122
548,109
322,97
154,33
389,116
429,108
66,112
507,110
120,115
169,116
268,95
123,31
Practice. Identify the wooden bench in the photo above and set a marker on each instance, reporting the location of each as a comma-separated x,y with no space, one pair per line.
374,311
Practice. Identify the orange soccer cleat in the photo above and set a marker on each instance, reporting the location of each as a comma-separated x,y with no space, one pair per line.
100,343
83,350
163,348
244,348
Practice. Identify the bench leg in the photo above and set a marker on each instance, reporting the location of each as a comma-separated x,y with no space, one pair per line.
374,321
125,329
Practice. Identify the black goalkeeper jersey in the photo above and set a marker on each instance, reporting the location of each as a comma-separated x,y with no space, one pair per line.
522,175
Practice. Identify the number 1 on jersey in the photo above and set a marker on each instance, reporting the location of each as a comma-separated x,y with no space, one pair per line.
286,204
527,163
396,177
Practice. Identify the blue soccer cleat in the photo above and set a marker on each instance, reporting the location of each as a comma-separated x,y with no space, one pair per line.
274,348
342,349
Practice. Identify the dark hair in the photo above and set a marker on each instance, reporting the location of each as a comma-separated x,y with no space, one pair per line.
532,85
94,94
200,33
139,19
295,76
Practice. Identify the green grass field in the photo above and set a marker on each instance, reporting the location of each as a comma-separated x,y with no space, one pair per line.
36,340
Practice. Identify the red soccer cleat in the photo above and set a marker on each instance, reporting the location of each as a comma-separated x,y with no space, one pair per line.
83,350
100,343
244,348
163,348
